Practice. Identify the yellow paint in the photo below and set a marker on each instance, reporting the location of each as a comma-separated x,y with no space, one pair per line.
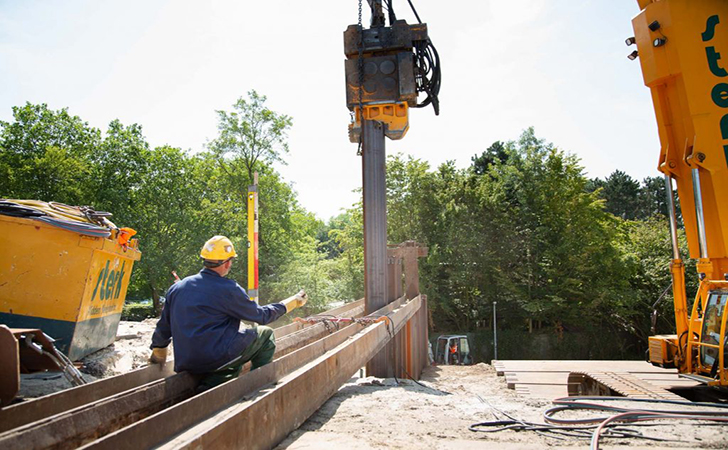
52,273
395,115
251,241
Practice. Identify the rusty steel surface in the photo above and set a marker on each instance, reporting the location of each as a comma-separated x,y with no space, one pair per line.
264,420
374,204
30,411
90,421
9,366
166,424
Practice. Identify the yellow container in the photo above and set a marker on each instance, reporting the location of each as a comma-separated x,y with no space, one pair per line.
69,285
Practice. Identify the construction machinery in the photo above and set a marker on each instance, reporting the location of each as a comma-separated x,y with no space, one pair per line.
453,350
63,270
679,45
387,67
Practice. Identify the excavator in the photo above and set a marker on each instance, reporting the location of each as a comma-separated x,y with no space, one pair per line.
679,45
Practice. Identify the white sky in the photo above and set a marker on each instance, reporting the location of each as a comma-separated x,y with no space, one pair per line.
558,65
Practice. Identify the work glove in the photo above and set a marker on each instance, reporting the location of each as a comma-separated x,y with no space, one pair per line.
159,356
296,301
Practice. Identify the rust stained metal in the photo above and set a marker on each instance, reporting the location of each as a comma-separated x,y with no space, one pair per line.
10,368
266,419
166,424
27,412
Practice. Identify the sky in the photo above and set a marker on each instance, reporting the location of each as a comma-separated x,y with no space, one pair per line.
557,65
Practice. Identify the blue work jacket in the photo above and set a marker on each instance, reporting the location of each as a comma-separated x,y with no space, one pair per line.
202,314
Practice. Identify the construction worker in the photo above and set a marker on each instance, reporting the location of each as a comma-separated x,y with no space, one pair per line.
454,357
202,314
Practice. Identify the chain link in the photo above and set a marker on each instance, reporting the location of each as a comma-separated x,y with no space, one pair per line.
360,70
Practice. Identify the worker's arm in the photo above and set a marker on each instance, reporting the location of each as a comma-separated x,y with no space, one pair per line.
243,308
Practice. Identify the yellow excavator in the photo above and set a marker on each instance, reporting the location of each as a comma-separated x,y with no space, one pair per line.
682,46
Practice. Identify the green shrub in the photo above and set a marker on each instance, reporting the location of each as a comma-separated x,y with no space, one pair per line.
138,311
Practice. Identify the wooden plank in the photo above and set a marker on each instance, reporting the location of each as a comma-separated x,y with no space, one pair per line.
49,405
542,378
266,419
545,391
150,431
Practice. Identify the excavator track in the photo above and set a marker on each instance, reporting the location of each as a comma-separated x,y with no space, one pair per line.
616,384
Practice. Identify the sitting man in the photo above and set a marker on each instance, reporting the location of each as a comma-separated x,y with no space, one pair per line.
202,314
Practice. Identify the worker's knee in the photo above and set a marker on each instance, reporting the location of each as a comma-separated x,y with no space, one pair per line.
265,334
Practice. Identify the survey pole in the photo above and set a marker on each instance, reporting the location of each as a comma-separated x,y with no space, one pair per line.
253,239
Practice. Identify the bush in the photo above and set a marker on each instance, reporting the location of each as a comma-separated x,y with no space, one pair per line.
138,311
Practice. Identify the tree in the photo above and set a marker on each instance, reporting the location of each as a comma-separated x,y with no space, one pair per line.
251,134
622,194
45,155
496,152
170,227
653,198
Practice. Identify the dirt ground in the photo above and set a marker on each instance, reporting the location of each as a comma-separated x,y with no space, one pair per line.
371,413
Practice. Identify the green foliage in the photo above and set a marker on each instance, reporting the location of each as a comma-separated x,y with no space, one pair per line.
45,155
251,134
173,199
525,228
625,197
138,311
522,226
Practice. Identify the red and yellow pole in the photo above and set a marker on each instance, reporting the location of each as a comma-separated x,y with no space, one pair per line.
253,239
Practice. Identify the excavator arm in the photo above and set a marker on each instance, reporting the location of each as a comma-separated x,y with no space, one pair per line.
680,46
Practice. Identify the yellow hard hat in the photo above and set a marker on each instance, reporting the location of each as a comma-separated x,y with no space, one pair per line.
218,248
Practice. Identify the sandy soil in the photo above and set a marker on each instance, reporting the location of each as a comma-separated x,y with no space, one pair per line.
372,413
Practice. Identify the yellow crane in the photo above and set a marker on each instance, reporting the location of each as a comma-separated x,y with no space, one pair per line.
682,46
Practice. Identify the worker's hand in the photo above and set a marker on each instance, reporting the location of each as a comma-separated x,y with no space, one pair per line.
159,356
296,301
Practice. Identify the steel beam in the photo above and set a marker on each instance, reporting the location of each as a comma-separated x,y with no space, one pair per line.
266,419
146,384
375,231
164,425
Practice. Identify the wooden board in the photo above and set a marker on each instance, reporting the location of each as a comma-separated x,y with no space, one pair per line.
549,379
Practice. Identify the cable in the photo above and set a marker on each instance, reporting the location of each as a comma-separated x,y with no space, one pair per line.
718,414
427,70
414,11
595,427
82,220
427,74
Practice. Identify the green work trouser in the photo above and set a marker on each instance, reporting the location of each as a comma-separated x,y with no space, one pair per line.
259,353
